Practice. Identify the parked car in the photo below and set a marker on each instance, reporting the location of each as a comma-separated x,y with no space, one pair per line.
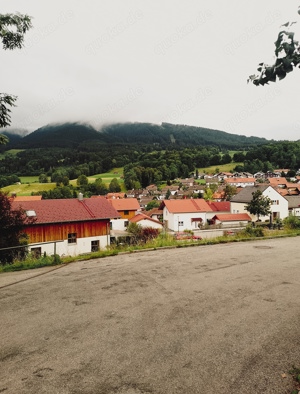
179,236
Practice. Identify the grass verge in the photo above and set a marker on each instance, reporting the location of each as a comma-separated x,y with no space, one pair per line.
163,241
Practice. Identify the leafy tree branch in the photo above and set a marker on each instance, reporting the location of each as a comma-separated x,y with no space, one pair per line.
12,30
287,57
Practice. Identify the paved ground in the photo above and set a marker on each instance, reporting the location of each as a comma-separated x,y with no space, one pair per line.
206,319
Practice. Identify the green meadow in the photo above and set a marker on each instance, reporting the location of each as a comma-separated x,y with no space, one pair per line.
11,152
30,184
221,168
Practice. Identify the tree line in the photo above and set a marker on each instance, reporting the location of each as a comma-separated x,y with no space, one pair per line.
143,165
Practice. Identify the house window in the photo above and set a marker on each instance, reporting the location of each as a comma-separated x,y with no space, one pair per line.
126,213
72,238
126,223
180,223
36,252
94,246
275,202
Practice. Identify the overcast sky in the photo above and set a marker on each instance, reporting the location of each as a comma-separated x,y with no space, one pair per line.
183,62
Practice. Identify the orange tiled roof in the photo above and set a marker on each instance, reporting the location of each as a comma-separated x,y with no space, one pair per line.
137,218
228,217
27,198
187,205
277,181
219,206
125,204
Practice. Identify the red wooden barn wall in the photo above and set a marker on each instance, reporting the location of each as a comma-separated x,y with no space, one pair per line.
59,231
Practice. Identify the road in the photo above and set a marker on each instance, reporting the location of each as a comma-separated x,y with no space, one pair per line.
205,319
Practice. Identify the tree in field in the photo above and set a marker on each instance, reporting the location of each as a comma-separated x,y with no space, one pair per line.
114,186
12,30
82,181
259,205
11,229
43,178
287,57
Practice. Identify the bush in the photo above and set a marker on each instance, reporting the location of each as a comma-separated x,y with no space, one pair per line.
292,222
31,262
251,231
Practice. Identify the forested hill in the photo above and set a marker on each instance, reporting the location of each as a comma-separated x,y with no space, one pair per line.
166,135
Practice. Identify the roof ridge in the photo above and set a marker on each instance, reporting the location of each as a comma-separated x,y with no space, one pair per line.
88,209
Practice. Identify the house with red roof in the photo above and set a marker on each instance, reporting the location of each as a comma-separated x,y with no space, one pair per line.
278,207
68,226
231,219
146,221
186,214
219,206
27,198
127,208
240,182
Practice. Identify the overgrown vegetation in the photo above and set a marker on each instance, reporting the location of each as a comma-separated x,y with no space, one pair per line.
292,222
12,224
31,262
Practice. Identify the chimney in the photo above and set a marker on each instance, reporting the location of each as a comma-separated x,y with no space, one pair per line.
80,196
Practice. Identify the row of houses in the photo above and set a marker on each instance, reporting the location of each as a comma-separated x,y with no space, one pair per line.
83,225
187,188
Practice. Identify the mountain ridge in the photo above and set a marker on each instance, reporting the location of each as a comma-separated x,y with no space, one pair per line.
72,135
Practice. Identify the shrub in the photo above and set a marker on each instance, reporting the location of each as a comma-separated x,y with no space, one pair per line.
251,231
149,233
292,222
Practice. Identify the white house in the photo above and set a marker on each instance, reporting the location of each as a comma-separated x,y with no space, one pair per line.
294,205
67,226
186,214
146,221
279,204
240,182
127,209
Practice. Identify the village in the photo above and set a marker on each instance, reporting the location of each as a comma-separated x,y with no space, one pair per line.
71,227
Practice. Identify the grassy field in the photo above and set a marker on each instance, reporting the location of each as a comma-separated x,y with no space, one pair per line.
31,184
11,152
25,189
108,176
29,179
222,168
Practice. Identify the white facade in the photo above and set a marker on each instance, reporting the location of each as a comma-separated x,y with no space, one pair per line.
150,223
63,248
279,207
240,183
295,211
119,224
183,221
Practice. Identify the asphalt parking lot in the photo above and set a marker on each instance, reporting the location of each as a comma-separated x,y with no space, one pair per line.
204,319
